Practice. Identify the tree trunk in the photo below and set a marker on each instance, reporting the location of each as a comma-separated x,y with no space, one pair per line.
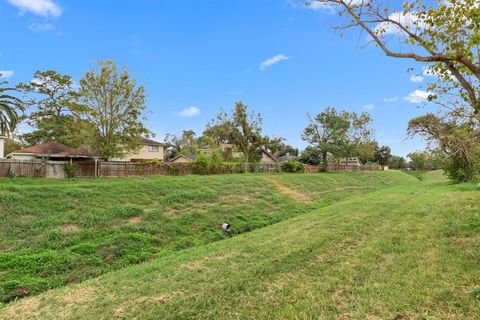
324,160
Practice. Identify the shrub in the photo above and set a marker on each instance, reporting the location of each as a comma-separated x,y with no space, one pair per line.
457,171
71,169
293,166
9,173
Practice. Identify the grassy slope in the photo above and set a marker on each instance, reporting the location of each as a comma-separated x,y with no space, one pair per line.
57,232
407,252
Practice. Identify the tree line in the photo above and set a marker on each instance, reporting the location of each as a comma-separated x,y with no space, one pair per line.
106,110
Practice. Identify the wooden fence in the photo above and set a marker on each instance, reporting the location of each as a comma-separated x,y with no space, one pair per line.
90,169
343,168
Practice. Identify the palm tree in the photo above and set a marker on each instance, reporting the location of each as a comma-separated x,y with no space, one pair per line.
9,107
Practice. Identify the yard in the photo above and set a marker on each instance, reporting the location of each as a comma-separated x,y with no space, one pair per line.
376,245
56,232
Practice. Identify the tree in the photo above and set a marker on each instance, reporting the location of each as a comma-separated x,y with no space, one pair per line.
367,151
185,144
52,119
241,128
12,145
337,133
311,156
278,147
220,129
383,155
111,100
418,160
443,34
459,142
9,108
282,149
327,132
396,162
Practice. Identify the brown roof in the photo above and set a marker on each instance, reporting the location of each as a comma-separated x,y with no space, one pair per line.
190,157
54,148
269,155
150,142
49,148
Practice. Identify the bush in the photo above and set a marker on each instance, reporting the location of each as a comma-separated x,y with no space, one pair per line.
213,164
293,166
71,169
457,171
9,173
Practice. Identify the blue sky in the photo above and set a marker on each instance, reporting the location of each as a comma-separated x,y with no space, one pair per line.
195,57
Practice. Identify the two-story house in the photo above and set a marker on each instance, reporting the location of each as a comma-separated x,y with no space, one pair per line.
149,150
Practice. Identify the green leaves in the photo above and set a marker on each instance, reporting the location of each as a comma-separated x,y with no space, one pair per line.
113,103
10,106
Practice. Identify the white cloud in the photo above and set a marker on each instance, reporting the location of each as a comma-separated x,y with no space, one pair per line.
6,73
44,8
391,99
409,20
417,96
369,107
416,78
318,5
189,112
39,27
273,60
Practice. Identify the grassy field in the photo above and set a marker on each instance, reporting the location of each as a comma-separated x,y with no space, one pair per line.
410,251
53,233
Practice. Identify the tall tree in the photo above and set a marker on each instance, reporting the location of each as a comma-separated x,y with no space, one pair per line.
311,156
51,95
328,132
185,144
10,106
366,151
242,128
382,155
341,134
111,100
443,34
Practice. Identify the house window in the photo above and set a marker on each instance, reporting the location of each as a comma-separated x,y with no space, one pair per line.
152,148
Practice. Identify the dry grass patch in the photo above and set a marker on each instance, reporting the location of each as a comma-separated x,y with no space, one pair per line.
135,220
290,192
70,228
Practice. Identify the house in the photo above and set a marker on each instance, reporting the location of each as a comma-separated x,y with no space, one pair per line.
286,158
149,150
51,150
183,158
267,158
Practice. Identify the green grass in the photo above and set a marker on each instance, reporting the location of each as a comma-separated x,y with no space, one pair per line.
411,251
57,232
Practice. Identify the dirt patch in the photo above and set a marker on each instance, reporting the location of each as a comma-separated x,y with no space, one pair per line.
135,220
27,217
70,228
290,192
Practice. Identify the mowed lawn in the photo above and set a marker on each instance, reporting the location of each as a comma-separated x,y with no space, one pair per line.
410,251
57,232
